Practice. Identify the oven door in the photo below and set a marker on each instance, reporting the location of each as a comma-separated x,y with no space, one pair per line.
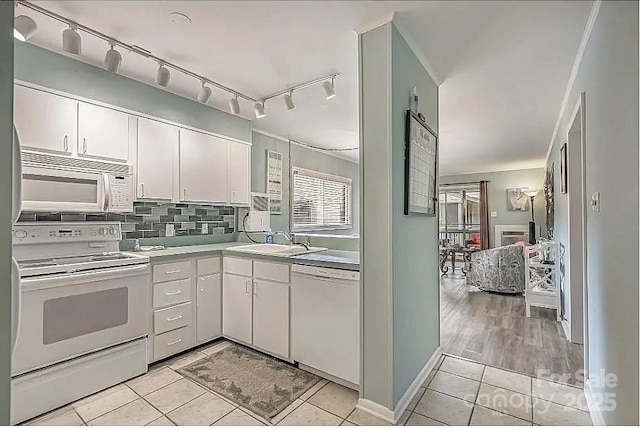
65,316
51,189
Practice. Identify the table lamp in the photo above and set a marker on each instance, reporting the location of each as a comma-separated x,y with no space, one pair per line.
532,224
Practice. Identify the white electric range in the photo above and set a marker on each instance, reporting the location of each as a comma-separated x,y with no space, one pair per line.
83,317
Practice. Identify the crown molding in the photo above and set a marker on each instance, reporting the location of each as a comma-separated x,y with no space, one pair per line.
375,23
417,51
595,8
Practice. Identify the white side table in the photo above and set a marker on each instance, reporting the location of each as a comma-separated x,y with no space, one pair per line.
542,280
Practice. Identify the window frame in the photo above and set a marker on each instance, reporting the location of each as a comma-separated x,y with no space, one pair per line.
326,177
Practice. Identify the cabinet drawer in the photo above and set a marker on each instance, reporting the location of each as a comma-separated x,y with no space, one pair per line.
208,266
171,318
171,293
172,271
238,266
271,271
172,342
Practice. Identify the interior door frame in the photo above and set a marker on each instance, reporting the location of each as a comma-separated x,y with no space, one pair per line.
579,113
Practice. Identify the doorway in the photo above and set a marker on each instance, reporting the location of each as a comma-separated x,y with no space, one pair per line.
575,316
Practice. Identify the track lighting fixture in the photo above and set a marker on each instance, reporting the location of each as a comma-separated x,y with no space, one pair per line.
24,27
163,75
112,59
288,101
329,91
258,109
204,94
71,41
234,105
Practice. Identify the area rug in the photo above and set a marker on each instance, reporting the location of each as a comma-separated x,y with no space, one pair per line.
256,381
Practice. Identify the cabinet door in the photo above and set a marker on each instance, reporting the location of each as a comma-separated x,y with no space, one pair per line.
103,132
45,121
239,173
236,307
157,145
204,162
271,317
208,316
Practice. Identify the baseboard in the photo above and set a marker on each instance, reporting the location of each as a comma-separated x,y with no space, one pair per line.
594,409
567,328
393,416
405,400
377,410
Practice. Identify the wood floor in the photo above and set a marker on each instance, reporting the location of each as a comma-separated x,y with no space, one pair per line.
492,329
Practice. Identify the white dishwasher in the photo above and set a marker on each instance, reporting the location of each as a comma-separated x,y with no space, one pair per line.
325,320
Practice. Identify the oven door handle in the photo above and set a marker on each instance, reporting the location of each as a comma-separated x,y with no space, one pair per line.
69,279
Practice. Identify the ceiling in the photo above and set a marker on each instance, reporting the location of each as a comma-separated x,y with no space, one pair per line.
503,66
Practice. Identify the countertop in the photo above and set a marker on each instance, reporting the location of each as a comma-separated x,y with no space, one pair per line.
337,259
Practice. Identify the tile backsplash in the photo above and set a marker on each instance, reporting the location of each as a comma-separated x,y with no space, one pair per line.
150,219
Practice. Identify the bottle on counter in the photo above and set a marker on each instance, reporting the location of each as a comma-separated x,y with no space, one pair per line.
269,237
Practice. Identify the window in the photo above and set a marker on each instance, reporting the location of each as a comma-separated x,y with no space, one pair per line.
321,201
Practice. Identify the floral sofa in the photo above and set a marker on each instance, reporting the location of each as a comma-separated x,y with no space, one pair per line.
498,269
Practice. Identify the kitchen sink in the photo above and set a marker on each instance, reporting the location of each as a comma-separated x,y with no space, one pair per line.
278,250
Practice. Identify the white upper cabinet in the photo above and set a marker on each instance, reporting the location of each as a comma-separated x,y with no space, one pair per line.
239,173
45,121
103,132
157,147
204,166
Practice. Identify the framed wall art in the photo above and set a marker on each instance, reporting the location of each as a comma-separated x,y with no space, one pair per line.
420,169
563,168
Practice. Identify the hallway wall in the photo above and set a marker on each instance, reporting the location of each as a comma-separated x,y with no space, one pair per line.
608,74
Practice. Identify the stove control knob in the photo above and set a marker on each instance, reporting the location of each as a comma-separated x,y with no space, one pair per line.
102,231
113,231
20,234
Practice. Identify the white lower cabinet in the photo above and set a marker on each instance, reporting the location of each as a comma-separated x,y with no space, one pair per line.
208,306
255,304
271,316
237,308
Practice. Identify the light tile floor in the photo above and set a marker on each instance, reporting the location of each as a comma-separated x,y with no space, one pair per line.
458,392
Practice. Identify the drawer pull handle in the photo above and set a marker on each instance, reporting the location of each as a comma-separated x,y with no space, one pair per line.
174,318
171,272
172,293
175,342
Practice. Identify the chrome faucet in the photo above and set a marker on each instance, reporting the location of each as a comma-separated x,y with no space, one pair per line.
291,237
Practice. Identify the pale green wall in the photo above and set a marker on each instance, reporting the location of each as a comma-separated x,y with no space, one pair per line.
499,182
52,70
376,379
6,136
399,254
304,158
416,300
608,75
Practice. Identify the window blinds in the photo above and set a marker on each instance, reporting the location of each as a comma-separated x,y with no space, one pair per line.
320,200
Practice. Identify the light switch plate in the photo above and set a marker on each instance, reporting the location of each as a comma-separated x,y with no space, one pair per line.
494,214
205,228
595,202
170,230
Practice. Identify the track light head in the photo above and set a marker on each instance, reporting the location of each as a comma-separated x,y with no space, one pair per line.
24,27
234,105
112,59
163,75
204,94
71,41
329,91
288,101
258,109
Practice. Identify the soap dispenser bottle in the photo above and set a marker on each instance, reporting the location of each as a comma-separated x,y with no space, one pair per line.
269,237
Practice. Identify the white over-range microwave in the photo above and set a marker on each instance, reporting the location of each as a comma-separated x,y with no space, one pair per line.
54,183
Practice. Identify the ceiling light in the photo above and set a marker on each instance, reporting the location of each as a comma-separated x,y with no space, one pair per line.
24,27
163,75
288,101
329,91
112,59
71,41
204,94
234,105
258,109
